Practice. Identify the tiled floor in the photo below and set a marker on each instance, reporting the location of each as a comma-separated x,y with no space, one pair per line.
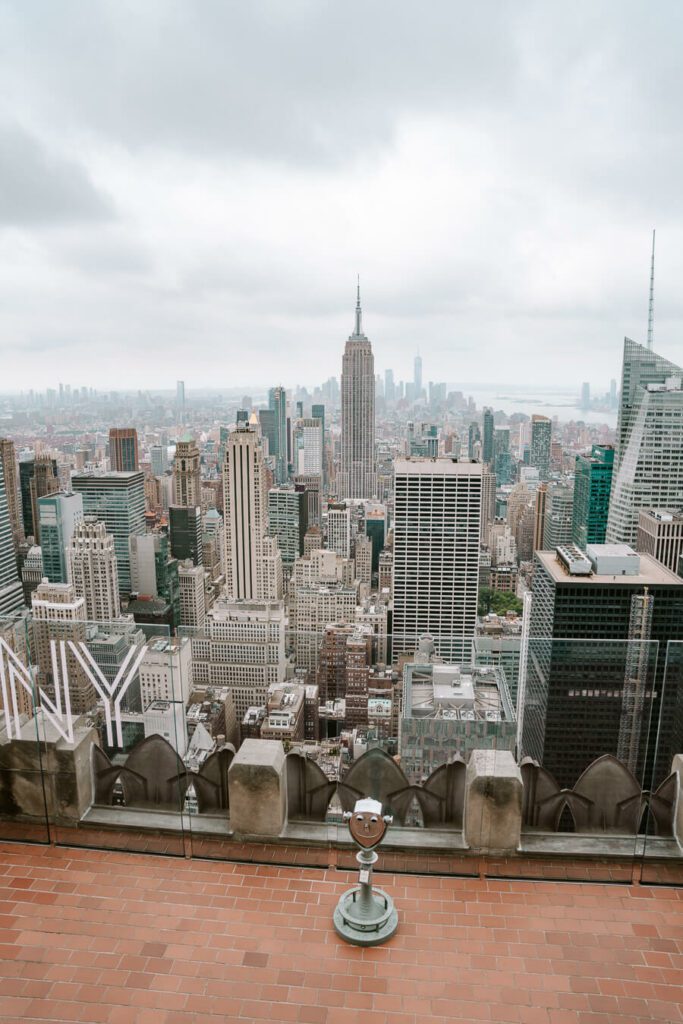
117,938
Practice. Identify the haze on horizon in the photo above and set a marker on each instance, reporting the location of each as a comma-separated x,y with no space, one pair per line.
189,190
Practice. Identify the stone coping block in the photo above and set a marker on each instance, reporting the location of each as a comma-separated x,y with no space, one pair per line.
493,801
257,784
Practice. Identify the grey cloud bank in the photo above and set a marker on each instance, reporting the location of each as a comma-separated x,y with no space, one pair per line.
206,179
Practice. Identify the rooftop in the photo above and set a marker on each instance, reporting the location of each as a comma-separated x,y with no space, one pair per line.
117,938
651,572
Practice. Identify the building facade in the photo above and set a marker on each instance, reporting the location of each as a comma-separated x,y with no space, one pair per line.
357,474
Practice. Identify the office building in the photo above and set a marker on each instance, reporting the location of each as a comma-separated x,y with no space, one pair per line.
450,709
487,442
592,489
192,596
648,464
310,455
185,532
277,403
31,572
288,522
243,649
597,654
159,459
94,570
357,475
503,462
559,516
58,516
660,534
187,480
436,554
10,476
539,451
339,528
363,558
11,592
123,450
252,558
37,477
417,376
166,671
118,500
154,577
59,614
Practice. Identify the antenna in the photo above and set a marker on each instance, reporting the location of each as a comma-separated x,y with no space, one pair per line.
651,311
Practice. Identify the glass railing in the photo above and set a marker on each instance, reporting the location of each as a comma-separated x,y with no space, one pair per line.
119,735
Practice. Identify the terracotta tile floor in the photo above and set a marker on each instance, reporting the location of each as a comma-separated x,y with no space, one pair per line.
117,938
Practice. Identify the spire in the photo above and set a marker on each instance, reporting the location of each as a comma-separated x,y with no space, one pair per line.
651,310
359,324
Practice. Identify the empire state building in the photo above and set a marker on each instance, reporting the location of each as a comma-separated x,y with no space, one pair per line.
358,478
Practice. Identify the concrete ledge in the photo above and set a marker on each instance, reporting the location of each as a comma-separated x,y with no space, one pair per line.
493,801
257,783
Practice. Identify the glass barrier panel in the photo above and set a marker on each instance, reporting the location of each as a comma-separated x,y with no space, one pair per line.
662,862
112,724
24,793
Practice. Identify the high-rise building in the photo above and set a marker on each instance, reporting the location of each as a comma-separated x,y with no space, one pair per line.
10,474
58,516
436,554
584,698
473,440
243,648
559,515
592,489
376,529
11,593
539,452
339,528
487,443
288,522
540,505
187,480
185,532
159,459
253,561
660,534
166,671
94,571
59,614
363,558
310,459
192,597
180,400
389,386
123,449
648,464
357,475
31,572
277,403
585,395
417,376
37,477
118,500
503,463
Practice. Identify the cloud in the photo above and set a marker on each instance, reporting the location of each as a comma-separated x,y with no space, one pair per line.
38,187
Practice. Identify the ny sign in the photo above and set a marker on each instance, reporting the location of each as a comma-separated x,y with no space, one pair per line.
14,674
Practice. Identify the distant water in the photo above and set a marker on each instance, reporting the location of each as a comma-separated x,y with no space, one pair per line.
509,398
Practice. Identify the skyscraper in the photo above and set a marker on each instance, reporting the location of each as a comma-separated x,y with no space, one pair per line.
592,488
253,561
94,570
123,449
118,499
648,465
187,480
436,554
539,454
357,477
37,477
9,465
58,515
288,521
180,400
159,458
559,513
185,532
417,375
389,386
277,403
487,445
11,592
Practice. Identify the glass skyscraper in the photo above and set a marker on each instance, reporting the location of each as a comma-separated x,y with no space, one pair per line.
118,499
592,489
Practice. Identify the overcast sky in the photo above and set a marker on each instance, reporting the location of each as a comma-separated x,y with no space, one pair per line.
189,188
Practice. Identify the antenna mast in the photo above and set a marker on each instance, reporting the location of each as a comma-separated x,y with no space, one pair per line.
651,311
